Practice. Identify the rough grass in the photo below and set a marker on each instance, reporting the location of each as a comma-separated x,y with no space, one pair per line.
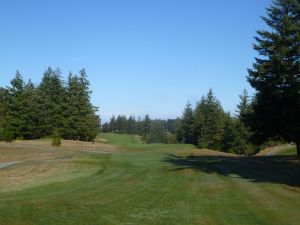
120,139
288,151
153,184
284,149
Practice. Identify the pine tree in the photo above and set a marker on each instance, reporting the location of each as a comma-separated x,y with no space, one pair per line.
112,124
131,125
105,128
31,112
236,137
209,122
81,121
15,98
146,126
29,115
185,129
72,122
3,110
139,126
275,74
244,108
121,124
51,102
157,132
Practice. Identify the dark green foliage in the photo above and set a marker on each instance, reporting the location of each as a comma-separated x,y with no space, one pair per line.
151,131
146,126
212,128
52,100
171,138
275,75
244,108
56,139
112,124
105,128
171,125
81,123
131,125
185,129
30,112
209,122
157,132
121,125
236,137
7,135
14,99
3,110
236,134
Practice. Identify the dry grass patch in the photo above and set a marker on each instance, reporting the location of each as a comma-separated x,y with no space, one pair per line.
31,163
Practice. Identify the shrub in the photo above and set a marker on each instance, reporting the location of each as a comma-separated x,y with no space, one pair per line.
7,135
56,139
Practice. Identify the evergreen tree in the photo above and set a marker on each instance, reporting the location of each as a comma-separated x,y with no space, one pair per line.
105,128
81,121
29,115
13,118
52,100
146,126
139,126
209,122
72,114
235,137
121,124
112,124
171,125
185,130
29,112
3,110
275,74
131,125
244,108
157,132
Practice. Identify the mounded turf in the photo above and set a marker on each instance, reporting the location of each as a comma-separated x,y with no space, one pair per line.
288,151
149,184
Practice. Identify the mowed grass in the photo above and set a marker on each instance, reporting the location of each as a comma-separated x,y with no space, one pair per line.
120,139
288,151
155,184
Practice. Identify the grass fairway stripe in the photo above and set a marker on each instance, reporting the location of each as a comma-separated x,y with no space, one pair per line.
151,185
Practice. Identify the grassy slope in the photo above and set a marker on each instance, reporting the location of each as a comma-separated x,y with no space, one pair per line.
120,139
288,151
163,184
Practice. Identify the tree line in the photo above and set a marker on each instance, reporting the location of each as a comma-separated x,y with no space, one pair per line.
29,111
274,110
272,114
209,127
151,131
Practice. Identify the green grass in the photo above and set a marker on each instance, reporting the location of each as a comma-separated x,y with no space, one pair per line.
288,151
163,185
133,142
120,139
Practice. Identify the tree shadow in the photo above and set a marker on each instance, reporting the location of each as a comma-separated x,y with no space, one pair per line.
268,169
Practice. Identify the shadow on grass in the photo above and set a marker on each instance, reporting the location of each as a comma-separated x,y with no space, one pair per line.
268,169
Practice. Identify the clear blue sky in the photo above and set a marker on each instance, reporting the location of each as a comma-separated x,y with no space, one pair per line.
141,56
